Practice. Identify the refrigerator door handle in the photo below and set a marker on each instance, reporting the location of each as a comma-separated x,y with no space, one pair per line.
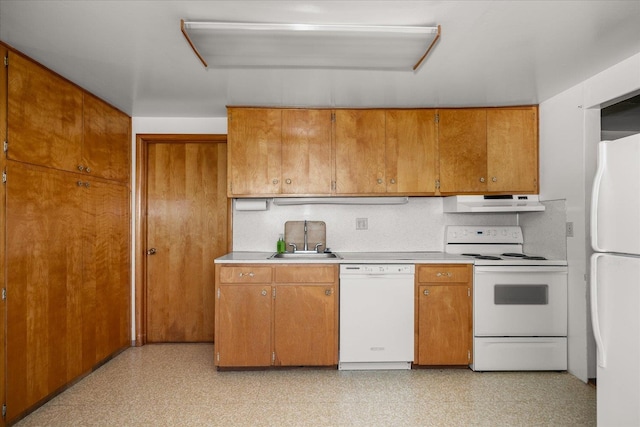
595,320
595,195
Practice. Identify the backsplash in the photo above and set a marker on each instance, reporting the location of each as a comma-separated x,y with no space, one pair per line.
416,226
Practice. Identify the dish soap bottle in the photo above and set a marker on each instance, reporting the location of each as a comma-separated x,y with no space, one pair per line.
281,246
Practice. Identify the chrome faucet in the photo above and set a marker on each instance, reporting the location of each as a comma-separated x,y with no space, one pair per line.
305,236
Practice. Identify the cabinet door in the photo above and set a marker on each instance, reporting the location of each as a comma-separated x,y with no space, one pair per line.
444,324
106,309
254,150
306,152
462,135
44,116
244,329
512,150
411,151
360,151
107,140
44,283
305,325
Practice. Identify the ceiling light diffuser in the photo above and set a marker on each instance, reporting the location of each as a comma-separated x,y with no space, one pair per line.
259,45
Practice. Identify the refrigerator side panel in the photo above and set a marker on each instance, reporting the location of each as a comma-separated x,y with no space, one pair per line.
616,281
615,210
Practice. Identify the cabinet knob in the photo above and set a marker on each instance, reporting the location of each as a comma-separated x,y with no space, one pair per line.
328,292
494,179
393,181
482,179
288,181
263,293
426,292
275,181
380,181
151,251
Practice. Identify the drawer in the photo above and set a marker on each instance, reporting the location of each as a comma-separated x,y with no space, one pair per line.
447,273
245,274
306,274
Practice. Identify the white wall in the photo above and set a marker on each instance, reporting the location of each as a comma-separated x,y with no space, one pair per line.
569,132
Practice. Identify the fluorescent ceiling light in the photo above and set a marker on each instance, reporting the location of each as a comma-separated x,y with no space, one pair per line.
258,45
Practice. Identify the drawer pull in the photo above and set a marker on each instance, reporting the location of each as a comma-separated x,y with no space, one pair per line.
250,274
447,274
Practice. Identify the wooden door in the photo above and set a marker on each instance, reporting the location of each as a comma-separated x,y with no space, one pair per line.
3,237
44,116
444,324
360,151
244,332
411,139
512,150
107,140
304,325
186,230
106,308
462,136
306,152
254,143
44,283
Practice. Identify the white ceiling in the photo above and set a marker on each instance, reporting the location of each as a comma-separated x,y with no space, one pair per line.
132,53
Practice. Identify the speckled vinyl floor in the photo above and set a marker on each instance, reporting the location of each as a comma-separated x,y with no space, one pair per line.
177,385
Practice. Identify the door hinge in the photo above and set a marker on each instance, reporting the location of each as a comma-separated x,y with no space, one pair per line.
333,186
4,294
4,411
273,357
4,177
5,146
218,293
468,355
6,61
437,118
437,184
230,116
333,116
468,292
218,356
273,292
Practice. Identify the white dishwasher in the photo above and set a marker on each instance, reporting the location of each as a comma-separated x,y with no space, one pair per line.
376,316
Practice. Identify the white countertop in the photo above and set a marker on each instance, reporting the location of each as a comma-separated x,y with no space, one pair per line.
349,258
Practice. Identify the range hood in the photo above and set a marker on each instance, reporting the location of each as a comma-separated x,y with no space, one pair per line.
487,204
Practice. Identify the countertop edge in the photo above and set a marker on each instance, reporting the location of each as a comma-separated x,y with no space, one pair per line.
347,258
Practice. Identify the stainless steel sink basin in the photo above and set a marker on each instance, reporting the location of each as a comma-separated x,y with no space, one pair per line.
312,255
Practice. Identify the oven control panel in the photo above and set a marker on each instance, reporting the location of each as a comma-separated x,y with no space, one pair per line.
464,234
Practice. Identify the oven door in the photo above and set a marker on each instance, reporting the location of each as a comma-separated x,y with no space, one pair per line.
512,301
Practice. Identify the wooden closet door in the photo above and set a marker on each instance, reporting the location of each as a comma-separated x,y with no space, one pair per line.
44,116
187,228
44,283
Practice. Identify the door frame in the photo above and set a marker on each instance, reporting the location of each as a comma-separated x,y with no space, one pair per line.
142,156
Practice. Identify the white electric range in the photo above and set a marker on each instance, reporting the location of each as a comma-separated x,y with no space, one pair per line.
519,300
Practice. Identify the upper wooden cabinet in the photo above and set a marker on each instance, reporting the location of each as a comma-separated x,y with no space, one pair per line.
360,151
488,150
415,152
279,152
411,151
53,123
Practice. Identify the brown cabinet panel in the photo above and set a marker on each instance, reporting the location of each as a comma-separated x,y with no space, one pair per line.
305,325
306,274
445,325
44,116
306,152
445,273
44,284
245,274
244,330
411,156
462,136
360,151
254,150
107,140
512,150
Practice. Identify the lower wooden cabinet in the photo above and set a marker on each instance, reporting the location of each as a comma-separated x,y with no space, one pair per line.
282,315
444,333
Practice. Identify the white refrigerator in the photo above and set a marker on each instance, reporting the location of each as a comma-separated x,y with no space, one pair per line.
615,280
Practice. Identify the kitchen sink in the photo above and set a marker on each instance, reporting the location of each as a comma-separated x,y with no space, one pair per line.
308,255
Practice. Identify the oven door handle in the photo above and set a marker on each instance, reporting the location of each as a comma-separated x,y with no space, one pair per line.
519,269
595,319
